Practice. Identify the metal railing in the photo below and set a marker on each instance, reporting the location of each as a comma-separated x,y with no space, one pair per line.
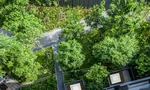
128,84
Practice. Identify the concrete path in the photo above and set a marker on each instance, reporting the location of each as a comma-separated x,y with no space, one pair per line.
51,38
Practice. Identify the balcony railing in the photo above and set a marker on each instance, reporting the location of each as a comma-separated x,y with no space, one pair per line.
140,84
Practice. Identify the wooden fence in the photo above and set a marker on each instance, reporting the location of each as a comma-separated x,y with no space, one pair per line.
84,3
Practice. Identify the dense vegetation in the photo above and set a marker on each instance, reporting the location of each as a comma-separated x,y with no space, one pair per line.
20,64
119,36
69,53
116,51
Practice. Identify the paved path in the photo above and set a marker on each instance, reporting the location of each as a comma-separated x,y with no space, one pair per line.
48,39
51,38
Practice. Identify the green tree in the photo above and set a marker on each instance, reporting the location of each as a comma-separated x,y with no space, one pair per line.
95,15
8,6
117,51
70,54
23,23
97,75
44,2
17,60
122,7
122,17
18,2
72,28
143,62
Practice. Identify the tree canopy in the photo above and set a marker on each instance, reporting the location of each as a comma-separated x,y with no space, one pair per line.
70,54
98,74
119,36
72,28
117,51
17,60
18,20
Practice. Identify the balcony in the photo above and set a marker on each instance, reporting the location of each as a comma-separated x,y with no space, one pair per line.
140,84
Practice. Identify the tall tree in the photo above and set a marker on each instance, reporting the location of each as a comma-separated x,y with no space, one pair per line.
143,59
97,76
122,17
24,25
72,28
17,60
70,54
16,18
117,51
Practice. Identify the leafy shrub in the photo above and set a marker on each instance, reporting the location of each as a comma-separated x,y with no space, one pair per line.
18,20
97,74
52,17
17,60
121,18
72,27
95,16
143,62
122,7
25,26
70,54
117,51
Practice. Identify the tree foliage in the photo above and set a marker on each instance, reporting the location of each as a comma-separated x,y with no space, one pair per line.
123,16
54,17
25,26
7,6
98,74
143,62
72,28
119,35
18,20
17,60
70,54
117,51
122,7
